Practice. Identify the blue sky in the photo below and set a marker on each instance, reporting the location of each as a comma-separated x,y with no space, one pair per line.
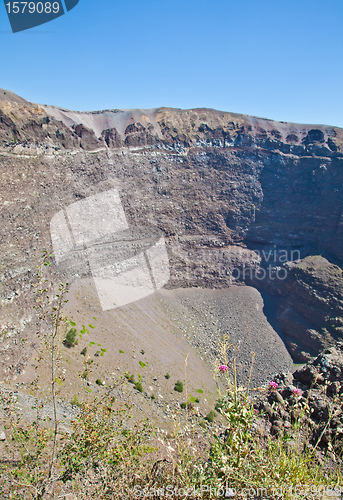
275,59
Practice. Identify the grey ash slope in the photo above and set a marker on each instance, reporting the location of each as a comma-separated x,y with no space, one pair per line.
205,316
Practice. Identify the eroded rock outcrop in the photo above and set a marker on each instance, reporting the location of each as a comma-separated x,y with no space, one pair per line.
309,304
27,124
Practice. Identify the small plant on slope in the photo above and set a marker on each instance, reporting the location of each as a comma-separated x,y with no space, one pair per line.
178,386
71,339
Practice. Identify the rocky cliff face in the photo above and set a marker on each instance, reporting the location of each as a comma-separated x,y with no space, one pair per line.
230,192
309,304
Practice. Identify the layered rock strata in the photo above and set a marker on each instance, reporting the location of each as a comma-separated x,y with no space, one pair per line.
221,186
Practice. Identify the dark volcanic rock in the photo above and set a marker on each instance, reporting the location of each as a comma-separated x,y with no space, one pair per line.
306,401
112,138
136,135
22,122
89,141
314,136
310,305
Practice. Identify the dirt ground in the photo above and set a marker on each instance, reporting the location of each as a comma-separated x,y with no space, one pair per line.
174,332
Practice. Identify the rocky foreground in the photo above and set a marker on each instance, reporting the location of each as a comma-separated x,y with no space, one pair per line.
303,408
310,399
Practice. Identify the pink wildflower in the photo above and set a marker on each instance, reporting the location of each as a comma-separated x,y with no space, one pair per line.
297,392
273,385
256,411
223,368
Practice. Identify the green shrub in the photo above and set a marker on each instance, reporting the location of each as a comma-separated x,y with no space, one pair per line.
188,405
71,339
98,381
178,386
210,416
152,396
84,351
167,376
139,386
130,377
